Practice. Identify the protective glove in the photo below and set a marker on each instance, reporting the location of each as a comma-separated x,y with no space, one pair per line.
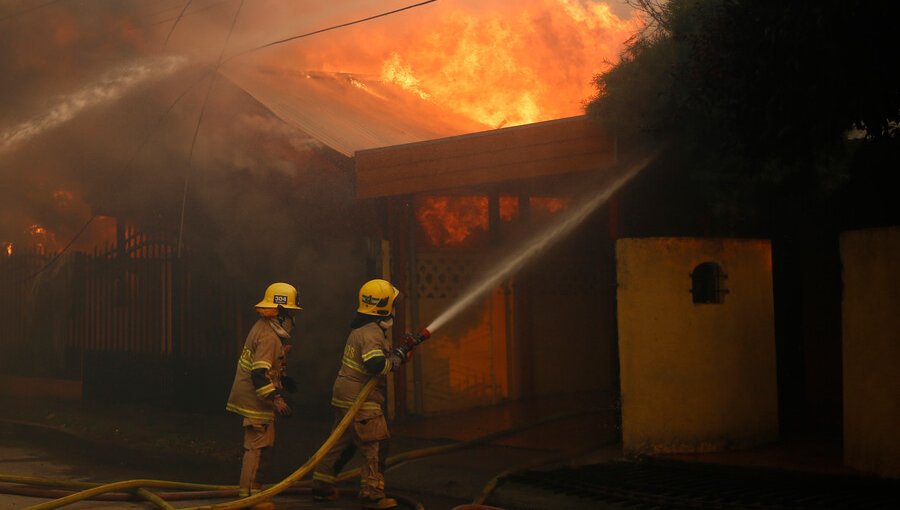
404,350
403,353
289,384
281,406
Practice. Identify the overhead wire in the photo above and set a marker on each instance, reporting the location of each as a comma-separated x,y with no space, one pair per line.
219,65
175,24
131,161
203,107
197,128
29,9
342,25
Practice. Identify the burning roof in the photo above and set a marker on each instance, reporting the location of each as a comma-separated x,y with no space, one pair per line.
348,112
101,103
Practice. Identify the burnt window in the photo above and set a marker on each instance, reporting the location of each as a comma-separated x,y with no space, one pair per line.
708,283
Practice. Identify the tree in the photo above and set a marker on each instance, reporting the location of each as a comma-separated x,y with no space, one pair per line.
760,101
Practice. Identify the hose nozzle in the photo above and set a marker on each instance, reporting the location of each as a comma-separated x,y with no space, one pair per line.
410,342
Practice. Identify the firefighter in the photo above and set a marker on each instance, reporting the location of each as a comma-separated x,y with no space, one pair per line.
367,354
259,380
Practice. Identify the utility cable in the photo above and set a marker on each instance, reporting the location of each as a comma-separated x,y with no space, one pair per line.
175,24
186,14
60,254
342,25
29,9
199,121
130,162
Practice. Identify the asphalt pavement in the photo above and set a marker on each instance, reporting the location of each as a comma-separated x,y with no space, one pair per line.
553,456
104,442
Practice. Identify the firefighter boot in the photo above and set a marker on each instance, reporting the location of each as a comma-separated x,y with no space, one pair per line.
324,494
378,503
323,487
371,495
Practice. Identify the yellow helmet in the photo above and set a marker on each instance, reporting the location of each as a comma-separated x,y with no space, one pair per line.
281,294
376,297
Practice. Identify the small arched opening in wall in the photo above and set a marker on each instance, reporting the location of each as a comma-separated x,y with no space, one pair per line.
708,283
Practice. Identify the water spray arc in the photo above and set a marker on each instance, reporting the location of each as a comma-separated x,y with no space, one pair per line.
109,88
529,250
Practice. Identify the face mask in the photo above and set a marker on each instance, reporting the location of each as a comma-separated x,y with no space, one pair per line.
287,322
386,323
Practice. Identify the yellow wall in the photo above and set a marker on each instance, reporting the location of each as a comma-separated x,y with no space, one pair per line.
871,352
695,377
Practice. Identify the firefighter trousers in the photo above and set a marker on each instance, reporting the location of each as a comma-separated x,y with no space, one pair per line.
367,434
259,438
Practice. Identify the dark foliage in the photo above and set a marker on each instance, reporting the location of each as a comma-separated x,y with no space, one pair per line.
764,106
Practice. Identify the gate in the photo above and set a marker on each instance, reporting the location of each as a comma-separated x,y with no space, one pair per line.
130,322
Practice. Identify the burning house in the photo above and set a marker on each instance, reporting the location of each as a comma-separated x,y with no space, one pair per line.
449,210
349,160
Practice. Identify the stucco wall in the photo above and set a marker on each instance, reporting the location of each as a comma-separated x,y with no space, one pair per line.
871,350
695,377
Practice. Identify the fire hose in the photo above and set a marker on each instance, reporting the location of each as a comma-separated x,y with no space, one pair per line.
231,505
140,485
139,488
208,491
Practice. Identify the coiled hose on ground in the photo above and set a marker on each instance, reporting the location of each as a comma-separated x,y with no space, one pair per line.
132,489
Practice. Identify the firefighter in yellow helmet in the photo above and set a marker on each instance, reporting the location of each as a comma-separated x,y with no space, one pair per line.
367,354
259,380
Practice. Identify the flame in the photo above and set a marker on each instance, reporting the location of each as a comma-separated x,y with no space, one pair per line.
452,220
495,62
449,221
37,230
511,66
8,249
549,205
63,198
41,238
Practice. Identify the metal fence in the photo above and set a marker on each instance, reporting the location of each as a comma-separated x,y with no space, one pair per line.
131,321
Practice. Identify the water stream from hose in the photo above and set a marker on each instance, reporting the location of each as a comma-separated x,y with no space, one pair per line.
108,88
535,245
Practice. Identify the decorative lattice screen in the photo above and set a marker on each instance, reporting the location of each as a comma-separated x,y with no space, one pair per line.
441,275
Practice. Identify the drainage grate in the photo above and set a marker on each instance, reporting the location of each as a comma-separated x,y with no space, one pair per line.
657,484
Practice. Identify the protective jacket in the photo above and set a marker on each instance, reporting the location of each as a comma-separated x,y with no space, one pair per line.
251,391
366,354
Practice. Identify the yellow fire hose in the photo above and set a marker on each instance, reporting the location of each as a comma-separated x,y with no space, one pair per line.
139,487
231,505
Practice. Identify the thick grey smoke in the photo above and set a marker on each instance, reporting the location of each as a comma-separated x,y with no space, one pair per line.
99,106
98,117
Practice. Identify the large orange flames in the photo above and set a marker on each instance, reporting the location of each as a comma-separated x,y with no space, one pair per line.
499,63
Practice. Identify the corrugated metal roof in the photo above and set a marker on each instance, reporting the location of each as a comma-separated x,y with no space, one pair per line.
348,112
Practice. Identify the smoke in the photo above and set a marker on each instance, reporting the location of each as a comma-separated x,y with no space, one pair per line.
109,88
100,103
86,87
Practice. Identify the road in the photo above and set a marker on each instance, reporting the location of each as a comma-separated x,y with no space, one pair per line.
30,455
